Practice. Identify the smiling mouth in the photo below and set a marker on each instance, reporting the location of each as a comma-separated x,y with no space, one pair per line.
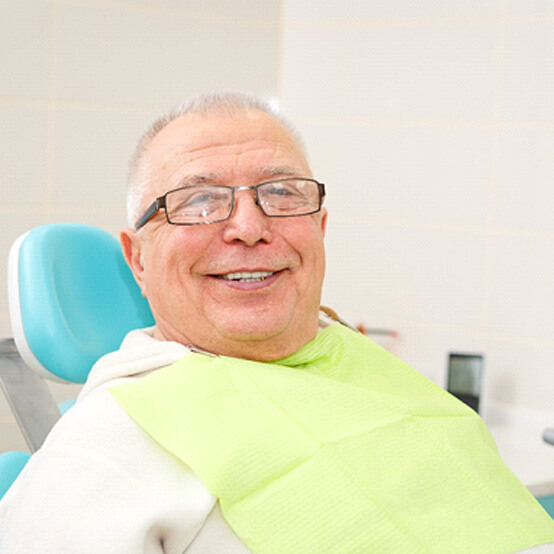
247,276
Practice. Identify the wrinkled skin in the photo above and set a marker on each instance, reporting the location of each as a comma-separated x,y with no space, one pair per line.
178,267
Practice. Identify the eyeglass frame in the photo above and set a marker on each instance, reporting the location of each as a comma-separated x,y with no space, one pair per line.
160,202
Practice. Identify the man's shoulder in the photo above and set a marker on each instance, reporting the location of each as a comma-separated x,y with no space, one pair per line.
139,355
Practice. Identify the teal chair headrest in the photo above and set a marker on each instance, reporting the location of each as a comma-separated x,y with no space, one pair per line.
72,298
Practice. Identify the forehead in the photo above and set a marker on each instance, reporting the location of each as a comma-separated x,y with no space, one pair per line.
241,146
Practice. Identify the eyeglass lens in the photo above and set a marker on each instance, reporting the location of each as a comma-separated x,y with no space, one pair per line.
211,203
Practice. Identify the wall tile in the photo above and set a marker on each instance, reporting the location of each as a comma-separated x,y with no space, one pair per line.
25,28
93,146
397,10
439,72
24,150
158,57
528,72
525,194
521,292
11,438
529,7
511,362
389,275
5,327
418,174
111,220
244,9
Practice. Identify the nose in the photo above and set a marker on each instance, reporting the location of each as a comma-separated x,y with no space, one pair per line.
247,224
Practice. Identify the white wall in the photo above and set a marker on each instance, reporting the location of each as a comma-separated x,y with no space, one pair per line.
82,79
432,123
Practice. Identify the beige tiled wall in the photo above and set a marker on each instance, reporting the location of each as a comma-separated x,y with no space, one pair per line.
433,125
81,80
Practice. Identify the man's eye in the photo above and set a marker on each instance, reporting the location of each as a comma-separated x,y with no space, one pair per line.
201,198
282,191
286,195
196,202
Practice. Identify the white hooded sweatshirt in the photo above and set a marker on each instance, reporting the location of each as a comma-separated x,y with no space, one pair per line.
99,484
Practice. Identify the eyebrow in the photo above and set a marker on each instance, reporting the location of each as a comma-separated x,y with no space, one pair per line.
198,179
277,171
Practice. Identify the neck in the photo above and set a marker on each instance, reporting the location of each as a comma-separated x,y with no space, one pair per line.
273,348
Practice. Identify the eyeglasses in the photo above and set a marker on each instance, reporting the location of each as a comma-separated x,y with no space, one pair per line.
201,204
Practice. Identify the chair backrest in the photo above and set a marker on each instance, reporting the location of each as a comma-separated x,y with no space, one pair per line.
72,299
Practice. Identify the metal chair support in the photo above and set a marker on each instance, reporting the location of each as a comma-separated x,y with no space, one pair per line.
28,395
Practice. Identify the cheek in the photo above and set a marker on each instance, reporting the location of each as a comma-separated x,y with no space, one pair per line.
160,262
173,255
307,241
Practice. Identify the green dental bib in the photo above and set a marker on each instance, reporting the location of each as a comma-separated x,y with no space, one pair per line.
338,448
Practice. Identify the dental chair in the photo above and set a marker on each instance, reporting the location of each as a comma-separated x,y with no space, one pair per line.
72,299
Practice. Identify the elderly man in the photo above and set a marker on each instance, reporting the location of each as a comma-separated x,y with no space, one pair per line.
246,421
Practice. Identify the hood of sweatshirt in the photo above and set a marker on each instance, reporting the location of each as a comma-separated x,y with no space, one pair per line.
139,354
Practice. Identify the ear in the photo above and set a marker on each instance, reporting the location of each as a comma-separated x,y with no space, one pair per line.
323,220
131,245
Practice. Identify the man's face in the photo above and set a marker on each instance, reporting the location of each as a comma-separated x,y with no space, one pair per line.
182,269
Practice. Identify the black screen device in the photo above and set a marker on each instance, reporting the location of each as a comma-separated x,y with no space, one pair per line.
465,375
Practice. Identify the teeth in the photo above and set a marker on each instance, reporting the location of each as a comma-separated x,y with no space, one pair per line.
247,276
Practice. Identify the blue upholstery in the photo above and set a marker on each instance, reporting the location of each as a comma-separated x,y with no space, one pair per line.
547,502
76,299
11,463
72,299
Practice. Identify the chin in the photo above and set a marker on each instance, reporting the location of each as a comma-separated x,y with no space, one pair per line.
254,330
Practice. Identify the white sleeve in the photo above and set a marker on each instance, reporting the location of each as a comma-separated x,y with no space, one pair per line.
100,484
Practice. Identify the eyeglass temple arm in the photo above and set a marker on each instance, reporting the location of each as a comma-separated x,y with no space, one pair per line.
150,212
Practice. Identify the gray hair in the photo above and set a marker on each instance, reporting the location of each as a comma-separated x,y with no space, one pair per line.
229,103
